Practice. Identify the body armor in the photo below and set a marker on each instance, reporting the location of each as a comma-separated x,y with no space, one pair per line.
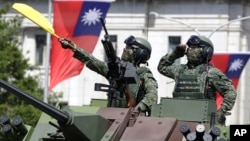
137,90
193,84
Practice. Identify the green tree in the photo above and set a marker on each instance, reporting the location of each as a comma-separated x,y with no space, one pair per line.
13,68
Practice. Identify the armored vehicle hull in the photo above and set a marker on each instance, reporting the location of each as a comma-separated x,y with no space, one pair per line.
168,121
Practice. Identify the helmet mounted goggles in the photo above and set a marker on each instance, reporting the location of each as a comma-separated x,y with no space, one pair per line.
195,40
132,42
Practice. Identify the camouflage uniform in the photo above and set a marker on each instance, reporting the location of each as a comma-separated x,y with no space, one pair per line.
217,81
145,92
198,79
137,51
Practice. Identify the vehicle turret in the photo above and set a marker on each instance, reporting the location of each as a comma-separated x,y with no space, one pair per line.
71,124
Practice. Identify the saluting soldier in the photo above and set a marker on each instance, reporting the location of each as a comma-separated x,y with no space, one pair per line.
198,79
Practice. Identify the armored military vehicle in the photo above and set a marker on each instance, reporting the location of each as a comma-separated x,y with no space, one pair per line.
169,121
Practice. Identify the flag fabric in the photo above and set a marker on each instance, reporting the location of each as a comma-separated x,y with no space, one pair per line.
79,21
232,65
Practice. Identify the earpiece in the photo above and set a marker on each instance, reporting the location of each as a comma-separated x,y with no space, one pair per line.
142,55
208,53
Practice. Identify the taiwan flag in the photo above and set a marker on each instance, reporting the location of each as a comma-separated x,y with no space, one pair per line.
232,65
79,21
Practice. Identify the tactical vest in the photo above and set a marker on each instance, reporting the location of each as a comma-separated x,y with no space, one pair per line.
193,84
137,90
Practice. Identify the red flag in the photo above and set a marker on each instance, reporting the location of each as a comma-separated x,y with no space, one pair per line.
78,21
232,65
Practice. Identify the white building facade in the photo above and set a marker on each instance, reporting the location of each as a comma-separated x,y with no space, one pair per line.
165,23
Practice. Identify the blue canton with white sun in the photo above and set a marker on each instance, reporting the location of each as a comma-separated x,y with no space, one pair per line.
88,22
236,64
91,17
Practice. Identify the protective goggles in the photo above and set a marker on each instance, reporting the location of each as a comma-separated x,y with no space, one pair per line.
195,40
132,42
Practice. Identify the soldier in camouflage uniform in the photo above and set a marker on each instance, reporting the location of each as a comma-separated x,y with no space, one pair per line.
198,79
137,51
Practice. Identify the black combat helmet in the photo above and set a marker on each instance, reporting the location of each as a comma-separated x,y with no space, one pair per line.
142,46
206,45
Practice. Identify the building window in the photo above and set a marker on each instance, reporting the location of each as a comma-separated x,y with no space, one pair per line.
40,49
173,41
113,39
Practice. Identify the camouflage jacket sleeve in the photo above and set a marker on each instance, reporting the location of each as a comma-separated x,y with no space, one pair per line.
150,89
224,86
91,62
167,68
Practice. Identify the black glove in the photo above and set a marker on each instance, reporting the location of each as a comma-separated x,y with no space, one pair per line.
220,117
66,43
180,50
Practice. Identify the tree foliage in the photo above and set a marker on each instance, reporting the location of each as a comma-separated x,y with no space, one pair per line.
13,68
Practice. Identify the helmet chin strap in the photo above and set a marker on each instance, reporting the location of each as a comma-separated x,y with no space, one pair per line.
138,62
